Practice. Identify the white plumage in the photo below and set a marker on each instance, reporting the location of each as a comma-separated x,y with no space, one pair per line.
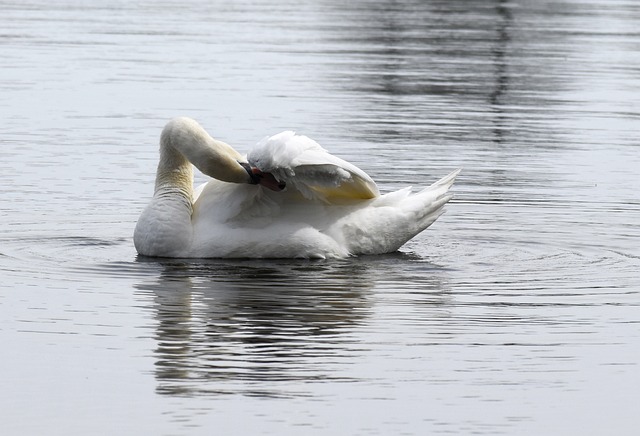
329,208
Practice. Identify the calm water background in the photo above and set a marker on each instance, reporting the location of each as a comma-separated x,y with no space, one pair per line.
516,313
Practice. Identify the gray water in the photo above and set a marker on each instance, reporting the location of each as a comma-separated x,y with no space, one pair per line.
515,313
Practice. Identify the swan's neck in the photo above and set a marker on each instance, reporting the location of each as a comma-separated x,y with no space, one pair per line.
174,175
165,227
184,141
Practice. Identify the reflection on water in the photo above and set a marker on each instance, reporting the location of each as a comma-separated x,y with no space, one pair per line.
251,323
264,328
514,313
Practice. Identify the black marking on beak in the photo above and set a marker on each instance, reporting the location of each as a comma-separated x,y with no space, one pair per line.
255,178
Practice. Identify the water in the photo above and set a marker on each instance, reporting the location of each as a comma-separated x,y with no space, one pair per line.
516,313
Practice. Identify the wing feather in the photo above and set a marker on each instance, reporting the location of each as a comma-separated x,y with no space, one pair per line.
305,166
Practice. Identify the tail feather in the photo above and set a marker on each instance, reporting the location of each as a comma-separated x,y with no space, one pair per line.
446,181
432,198
426,206
433,212
397,218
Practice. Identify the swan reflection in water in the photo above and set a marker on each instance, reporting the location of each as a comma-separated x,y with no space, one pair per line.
228,326
270,328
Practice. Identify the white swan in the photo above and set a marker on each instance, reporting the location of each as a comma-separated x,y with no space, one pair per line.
315,205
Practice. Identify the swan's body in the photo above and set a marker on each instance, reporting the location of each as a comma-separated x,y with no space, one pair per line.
329,208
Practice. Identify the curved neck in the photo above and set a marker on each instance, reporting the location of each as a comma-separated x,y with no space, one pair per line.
165,226
184,142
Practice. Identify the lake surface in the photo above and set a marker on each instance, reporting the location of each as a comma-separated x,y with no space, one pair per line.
515,313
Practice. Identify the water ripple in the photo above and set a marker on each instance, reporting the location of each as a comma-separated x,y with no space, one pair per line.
515,313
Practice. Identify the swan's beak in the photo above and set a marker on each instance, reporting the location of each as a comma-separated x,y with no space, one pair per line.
262,178
268,180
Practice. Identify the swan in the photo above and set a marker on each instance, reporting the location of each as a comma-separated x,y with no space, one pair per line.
287,198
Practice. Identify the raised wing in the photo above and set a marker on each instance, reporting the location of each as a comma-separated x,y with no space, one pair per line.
307,167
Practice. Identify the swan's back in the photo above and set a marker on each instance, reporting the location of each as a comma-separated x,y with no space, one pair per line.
261,223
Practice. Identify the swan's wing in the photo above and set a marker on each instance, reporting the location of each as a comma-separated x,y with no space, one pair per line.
305,166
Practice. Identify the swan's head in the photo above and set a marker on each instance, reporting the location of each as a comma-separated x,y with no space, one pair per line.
265,179
183,140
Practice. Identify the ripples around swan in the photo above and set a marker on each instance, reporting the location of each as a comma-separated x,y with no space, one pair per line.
516,313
